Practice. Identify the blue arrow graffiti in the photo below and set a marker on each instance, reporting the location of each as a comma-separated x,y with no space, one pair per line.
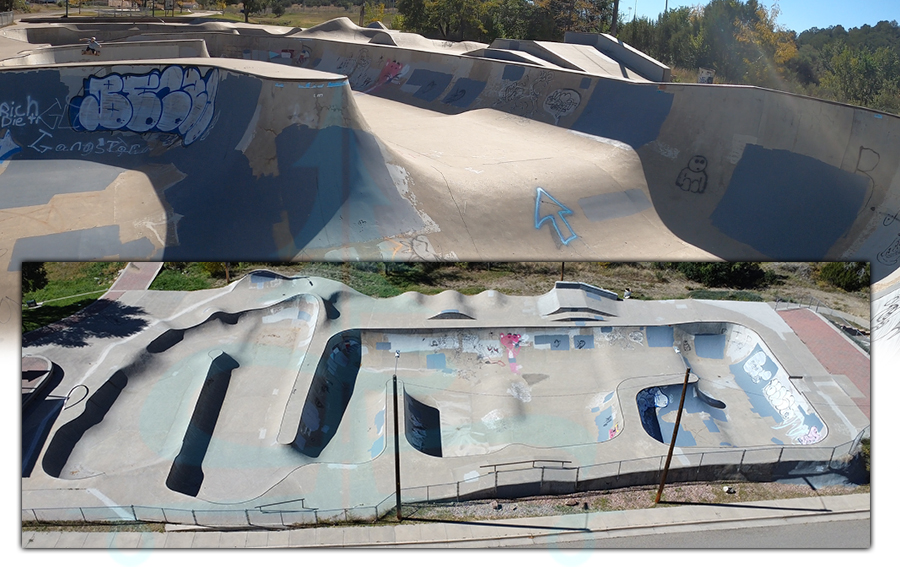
539,219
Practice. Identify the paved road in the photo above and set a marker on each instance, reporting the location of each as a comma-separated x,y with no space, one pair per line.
808,533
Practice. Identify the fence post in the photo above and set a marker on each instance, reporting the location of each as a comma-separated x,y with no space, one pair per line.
700,465
165,519
133,514
247,515
194,515
80,509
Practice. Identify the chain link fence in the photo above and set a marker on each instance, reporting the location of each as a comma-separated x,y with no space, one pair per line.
503,480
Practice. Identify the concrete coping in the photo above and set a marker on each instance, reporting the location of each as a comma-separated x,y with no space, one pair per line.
261,69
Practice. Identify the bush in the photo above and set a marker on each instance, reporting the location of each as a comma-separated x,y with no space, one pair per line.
741,275
849,276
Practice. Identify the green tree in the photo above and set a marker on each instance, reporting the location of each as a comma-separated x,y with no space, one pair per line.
254,7
34,276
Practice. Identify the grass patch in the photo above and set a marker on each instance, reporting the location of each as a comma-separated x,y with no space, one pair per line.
71,286
179,276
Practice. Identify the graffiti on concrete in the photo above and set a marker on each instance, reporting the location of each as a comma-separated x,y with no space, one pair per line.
693,177
177,100
392,72
520,97
636,336
19,113
546,209
8,146
511,342
99,146
783,402
891,254
561,102
866,162
885,317
754,368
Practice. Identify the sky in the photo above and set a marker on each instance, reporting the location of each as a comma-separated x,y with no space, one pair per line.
797,15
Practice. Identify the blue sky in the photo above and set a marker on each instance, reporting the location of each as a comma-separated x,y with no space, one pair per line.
798,15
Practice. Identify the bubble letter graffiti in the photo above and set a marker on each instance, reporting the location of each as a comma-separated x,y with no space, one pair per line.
175,100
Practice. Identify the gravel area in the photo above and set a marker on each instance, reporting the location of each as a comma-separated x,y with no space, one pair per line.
621,499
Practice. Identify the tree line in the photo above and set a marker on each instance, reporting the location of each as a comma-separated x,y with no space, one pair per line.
740,40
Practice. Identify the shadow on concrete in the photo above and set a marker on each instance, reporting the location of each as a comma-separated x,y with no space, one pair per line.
38,417
186,474
68,435
330,392
103,319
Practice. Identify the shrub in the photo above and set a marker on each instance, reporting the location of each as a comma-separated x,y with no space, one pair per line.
849,276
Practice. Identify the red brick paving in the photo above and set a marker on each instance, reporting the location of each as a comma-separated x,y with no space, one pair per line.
833,350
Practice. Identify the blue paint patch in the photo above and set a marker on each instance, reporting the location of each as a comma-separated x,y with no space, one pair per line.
710,346
608,206
606,329
585,83
464,92
513,73
660,336
595,409
382,346
431,83
436,361
777,441
685,438
811,420
710,425
725,444
608,397
604,422
303,315
556,342
632,113
377,447
583,342
787,205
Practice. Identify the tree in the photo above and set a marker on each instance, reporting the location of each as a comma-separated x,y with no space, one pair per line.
254,7
34,276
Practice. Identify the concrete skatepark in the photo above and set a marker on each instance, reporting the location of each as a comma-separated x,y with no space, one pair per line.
339,142
345,143
268,402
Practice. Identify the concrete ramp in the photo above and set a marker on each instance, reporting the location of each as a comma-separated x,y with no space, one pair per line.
343,143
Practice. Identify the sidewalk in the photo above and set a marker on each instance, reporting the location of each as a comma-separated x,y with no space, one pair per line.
467,534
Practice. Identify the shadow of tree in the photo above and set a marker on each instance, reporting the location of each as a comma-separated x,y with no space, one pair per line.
102,319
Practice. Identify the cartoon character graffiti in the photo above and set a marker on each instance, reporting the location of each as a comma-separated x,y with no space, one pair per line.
511,342
391,72
693,177
177,100
561,102
521,96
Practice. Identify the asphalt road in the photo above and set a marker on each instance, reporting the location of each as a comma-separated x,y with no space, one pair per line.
853,532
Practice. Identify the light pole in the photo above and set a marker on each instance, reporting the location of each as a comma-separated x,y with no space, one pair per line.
397,440
665,473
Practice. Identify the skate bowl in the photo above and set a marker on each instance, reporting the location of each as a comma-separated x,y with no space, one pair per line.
274,395
340,142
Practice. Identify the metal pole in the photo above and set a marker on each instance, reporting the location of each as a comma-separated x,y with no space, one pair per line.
662,482
397,440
